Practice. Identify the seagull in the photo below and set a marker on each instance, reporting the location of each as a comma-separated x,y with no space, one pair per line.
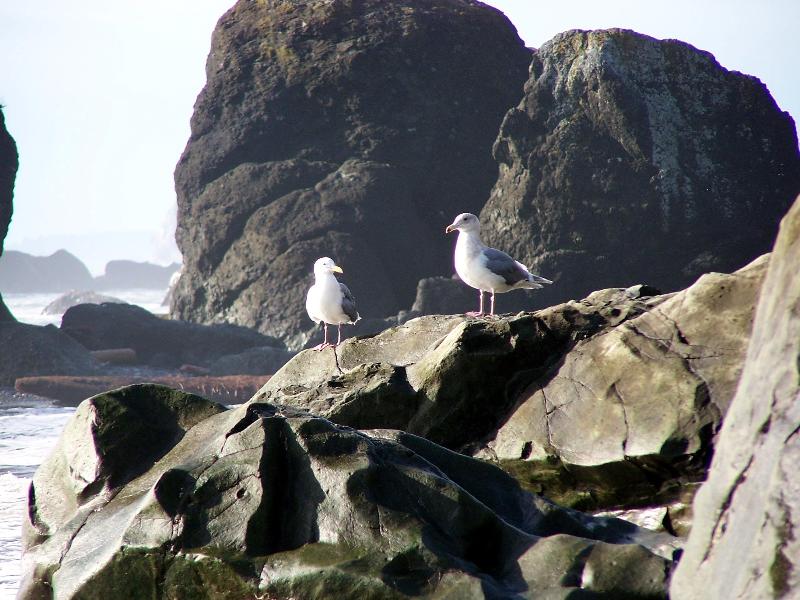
487,269
328,301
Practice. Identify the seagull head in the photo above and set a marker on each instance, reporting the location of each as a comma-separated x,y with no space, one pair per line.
326,265
464,222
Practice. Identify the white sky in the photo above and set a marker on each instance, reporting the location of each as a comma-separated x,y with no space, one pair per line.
98,96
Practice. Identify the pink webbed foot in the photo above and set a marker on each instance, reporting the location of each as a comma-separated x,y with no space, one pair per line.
322,346
475,313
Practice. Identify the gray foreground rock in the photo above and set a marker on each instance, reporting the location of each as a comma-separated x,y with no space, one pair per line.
744,543
269,502
610,402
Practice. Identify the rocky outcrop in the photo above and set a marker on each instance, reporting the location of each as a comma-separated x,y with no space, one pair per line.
633,159
59,272
260,360
608,402
31,350
159,342
304,144
127,274
264,502
60,305
9,161
744,541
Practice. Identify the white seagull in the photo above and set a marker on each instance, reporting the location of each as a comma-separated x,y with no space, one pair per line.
484,268
328,301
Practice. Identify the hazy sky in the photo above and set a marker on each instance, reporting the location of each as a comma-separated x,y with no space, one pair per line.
98,96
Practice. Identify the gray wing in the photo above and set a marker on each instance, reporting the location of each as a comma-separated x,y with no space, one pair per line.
500,263
348,303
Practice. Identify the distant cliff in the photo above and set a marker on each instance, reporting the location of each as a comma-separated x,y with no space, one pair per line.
62,271
9,162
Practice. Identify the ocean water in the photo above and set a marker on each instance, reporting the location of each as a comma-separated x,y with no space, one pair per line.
28,308
29,428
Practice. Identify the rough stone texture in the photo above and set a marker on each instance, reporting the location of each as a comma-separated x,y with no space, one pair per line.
611,402
444,296
640,403
259,502
32,350
60,305
160,342
632,159
24,273
125,274
304,144
262,360
9,161
744,543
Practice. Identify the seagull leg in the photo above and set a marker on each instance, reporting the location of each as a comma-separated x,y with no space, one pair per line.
324,343
491,313
480,312
339,336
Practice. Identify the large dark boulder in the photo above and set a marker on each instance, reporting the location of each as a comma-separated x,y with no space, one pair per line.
744,542
9,161
28,350
633,159
59,272
276,503
345,129
126,274
157,341
610,402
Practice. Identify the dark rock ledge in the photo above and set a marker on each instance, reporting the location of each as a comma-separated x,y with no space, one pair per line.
278,503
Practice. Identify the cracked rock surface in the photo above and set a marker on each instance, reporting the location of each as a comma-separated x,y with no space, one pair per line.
607,403
744,543
276,503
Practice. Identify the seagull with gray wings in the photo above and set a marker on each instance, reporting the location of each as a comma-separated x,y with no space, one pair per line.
330,302
487,269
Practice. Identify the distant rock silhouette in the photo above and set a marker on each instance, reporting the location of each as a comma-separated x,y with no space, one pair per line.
60,305
126,274
62,272
59,272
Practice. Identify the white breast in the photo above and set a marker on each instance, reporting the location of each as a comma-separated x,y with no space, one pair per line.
469,263
324,302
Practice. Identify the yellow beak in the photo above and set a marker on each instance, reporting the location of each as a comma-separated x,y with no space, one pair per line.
449,229
336,269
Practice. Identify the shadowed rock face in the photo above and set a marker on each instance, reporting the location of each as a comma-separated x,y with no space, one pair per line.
349,129
161,342
8,172
632,159
744,542
263,502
